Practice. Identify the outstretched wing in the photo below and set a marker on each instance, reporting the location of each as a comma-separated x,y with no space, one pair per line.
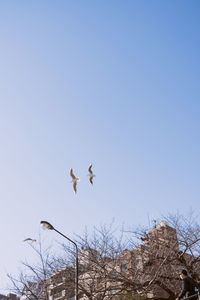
72,174
75,186
29,240
91,179
90,169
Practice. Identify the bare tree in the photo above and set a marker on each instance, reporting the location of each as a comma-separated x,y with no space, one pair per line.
188,235
98,263
162,252
32,282
112,265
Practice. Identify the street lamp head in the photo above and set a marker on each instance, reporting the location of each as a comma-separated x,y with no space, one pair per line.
46,225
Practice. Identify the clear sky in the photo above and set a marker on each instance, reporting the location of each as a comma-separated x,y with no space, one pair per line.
113,83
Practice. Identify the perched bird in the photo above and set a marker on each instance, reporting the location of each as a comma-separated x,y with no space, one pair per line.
74,180
91,174
29,240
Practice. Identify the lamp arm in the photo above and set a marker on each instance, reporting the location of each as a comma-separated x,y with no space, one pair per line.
76,262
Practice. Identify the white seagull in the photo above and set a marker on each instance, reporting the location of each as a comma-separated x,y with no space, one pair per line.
74,180
29,240
91,174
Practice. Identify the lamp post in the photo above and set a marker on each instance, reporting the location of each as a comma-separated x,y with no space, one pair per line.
47,225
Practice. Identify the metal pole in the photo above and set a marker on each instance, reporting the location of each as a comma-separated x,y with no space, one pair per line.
76,262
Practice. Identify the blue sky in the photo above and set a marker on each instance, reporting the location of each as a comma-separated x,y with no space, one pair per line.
113,83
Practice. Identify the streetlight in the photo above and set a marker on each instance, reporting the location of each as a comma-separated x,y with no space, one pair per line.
47,225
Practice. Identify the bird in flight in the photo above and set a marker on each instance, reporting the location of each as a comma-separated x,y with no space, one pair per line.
29,240
91,174
74,180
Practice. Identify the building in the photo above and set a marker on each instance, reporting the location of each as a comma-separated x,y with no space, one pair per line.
149,270
137,270
61,284
9,296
